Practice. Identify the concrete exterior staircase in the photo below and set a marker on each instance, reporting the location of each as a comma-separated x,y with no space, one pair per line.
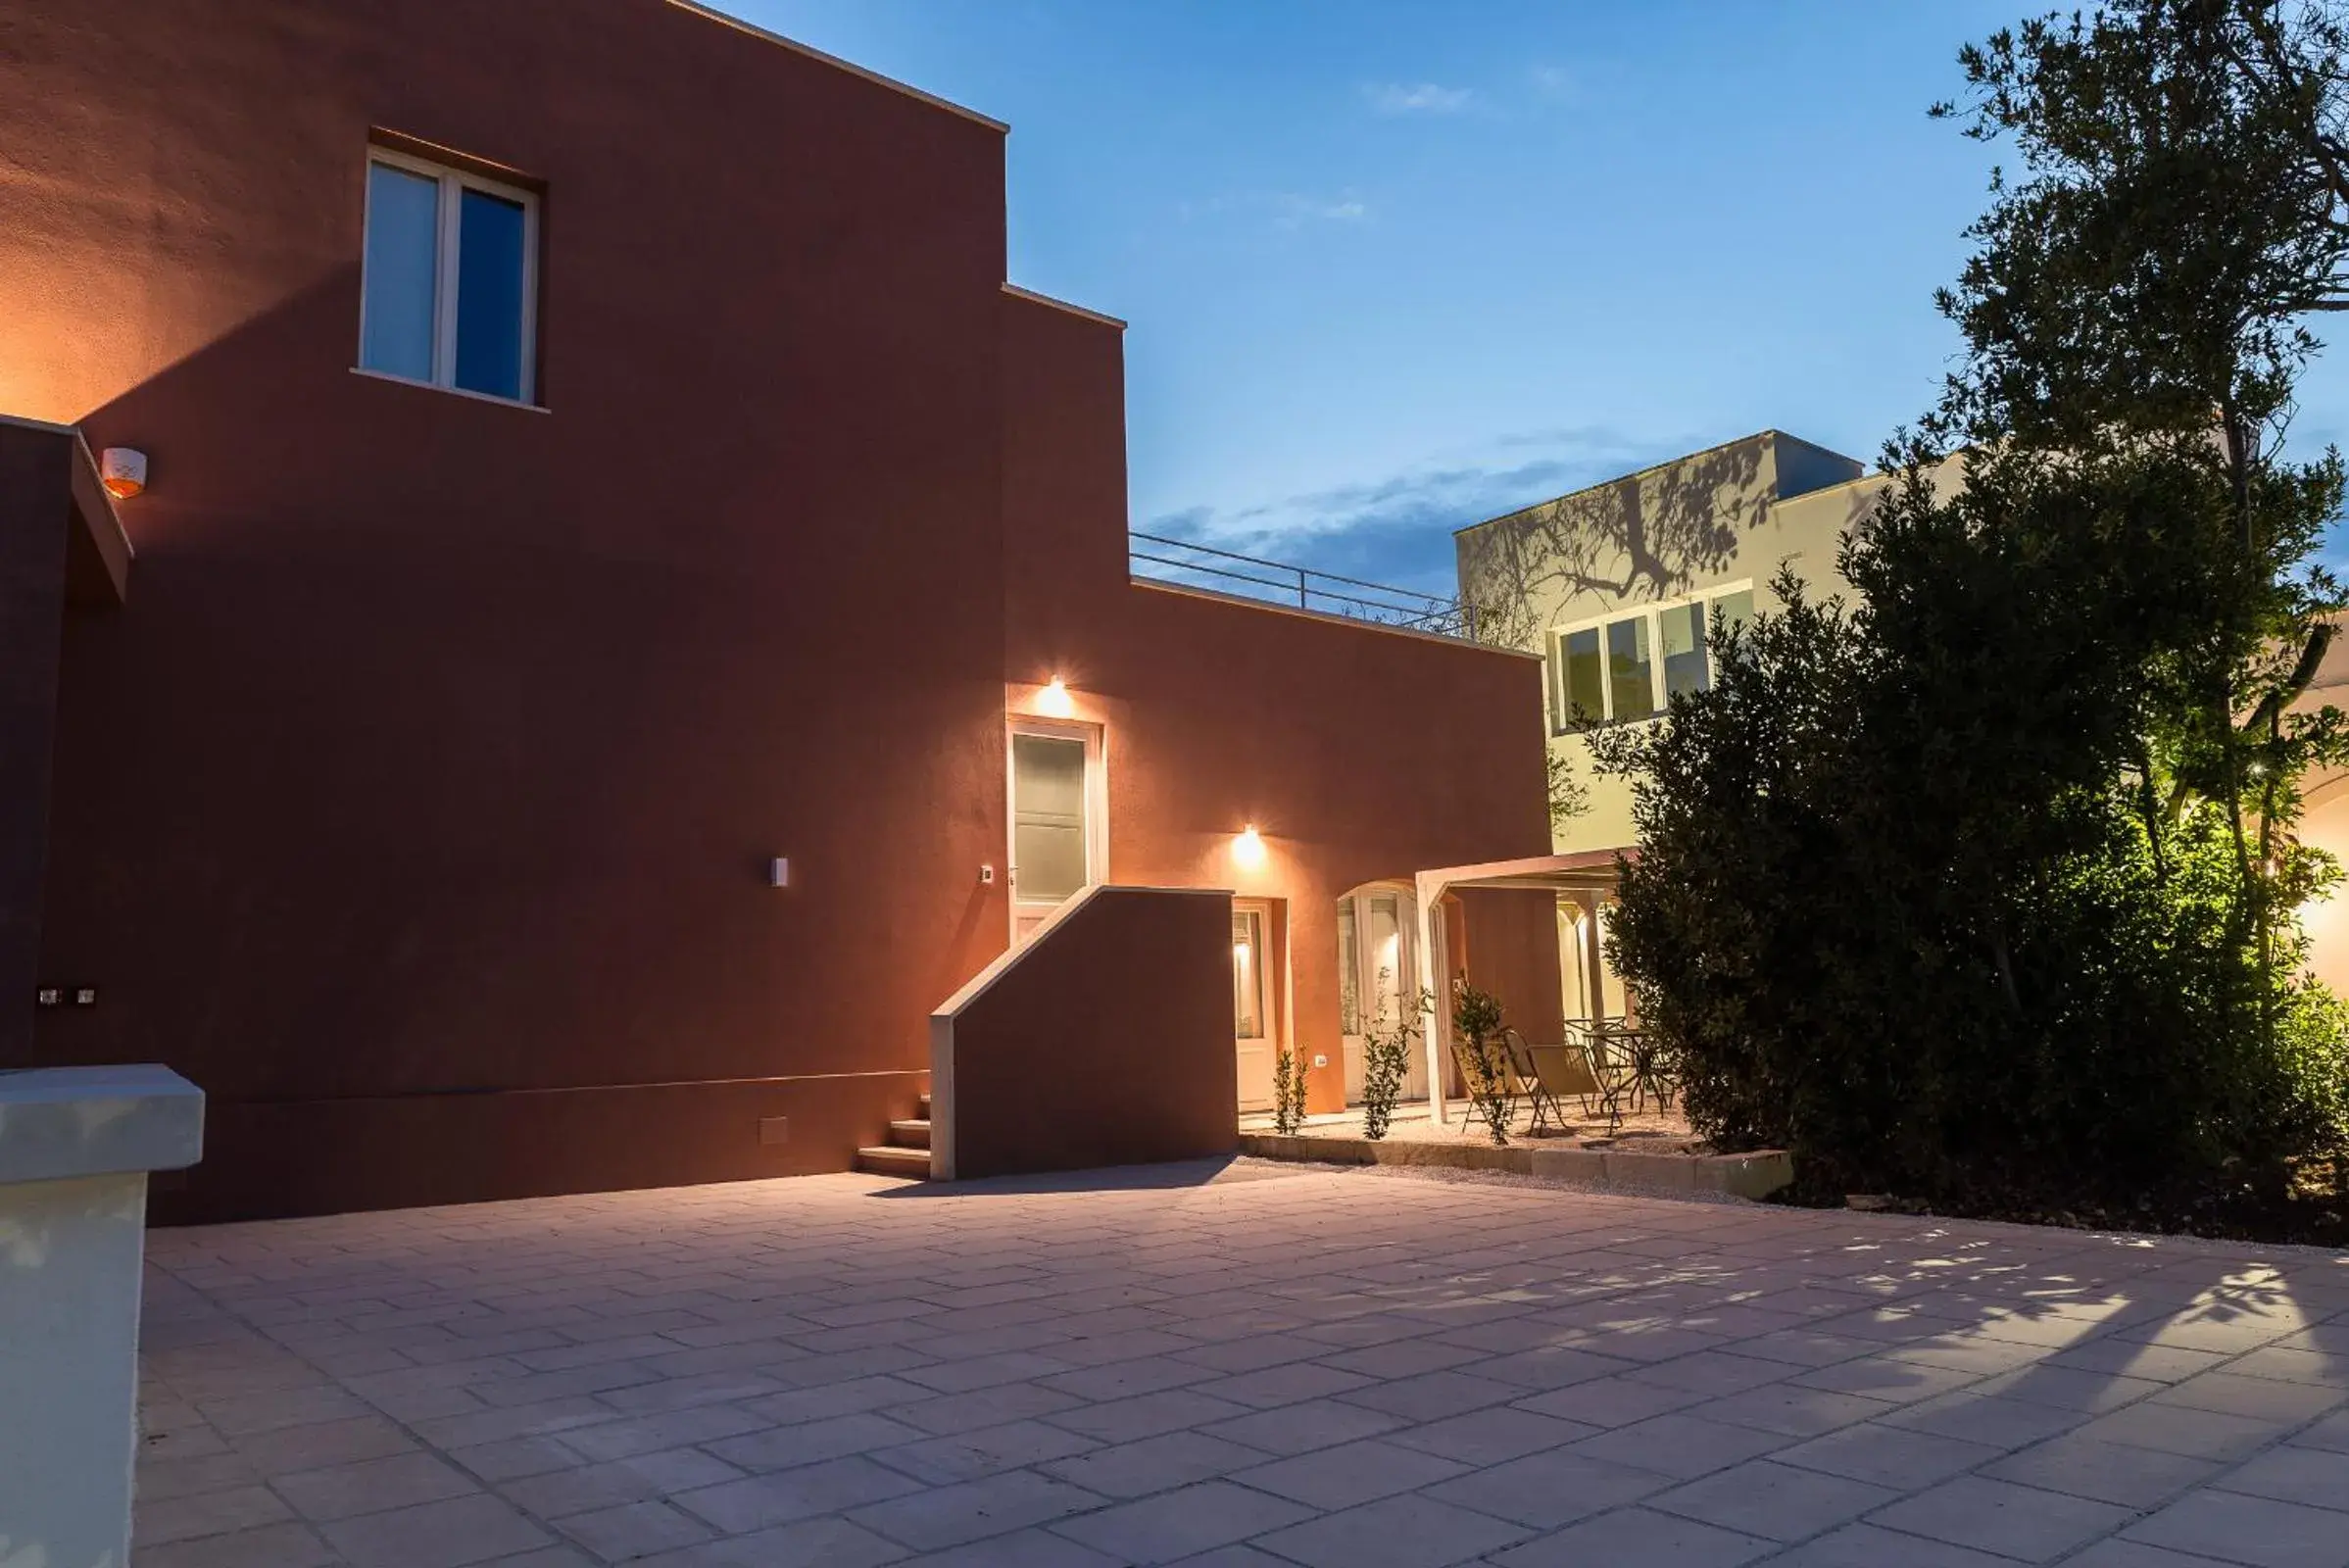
907,1151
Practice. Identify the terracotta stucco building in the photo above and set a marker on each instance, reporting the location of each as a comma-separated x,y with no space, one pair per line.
607,523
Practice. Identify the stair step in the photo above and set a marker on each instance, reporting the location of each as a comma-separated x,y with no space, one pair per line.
890,1161
910,1133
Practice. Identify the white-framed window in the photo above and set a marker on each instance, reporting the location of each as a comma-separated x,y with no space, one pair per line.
449,279
1621,668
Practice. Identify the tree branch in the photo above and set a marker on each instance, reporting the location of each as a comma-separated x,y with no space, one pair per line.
2312,655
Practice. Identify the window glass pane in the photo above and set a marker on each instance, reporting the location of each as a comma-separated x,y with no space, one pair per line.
1582,691
1350,971
1387,977
492,232
1247,977
1631,675
400,273
1736,608
1684,649
1048,829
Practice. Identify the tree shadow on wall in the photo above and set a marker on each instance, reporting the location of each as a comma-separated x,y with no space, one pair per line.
1647,535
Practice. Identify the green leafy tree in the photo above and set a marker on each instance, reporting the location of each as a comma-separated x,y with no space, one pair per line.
1569,797
1979,888
2183,213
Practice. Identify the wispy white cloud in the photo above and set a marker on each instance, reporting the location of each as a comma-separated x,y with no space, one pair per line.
1554,83
1283,209
1293,211
1398,530
1417,98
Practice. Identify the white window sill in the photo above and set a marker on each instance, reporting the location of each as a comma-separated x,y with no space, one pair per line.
453,391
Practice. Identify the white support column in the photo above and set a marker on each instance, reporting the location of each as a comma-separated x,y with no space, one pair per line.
1594,949
76,1147
1429,891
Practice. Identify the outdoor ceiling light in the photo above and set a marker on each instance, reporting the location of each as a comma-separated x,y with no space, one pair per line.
123,471
1248,847
1052,702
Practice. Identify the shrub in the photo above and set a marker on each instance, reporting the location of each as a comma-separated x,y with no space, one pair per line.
1388,1043
1287,1090
1476,1021
2061,1015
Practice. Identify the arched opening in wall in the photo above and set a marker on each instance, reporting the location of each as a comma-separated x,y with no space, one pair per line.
1380,975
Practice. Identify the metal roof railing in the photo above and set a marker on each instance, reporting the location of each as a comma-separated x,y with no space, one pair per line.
1184,563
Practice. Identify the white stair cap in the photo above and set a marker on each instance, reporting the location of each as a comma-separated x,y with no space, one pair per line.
60,1123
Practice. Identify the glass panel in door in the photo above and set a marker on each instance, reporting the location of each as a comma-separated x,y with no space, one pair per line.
1250,1024
1350,1000
1390,974
1050,842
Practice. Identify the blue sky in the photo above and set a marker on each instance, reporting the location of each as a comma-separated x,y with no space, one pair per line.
1397,265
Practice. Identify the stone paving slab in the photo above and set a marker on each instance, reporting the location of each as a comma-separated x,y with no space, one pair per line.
1249,1366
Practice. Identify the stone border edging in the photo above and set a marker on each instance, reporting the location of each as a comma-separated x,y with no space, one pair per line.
1754,1175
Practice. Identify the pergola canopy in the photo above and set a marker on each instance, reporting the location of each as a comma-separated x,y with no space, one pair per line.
1584,872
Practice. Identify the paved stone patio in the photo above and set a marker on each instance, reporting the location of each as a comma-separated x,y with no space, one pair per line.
1286,1365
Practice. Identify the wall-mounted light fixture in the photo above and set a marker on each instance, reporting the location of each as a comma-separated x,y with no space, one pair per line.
1052,702
123,471
1247,849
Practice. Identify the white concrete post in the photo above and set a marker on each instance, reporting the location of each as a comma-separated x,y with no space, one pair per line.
76,1147
1428,893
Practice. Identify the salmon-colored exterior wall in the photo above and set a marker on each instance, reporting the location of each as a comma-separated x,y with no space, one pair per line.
1509,947
437,756
35,515
1359,752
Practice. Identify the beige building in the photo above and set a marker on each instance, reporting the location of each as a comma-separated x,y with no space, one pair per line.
2324,826
1615,586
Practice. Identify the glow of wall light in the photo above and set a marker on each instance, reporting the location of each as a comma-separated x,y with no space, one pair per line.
1247,849
2320,921
1052,702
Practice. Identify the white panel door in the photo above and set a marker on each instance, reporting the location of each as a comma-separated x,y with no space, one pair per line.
1252,1029
1057,800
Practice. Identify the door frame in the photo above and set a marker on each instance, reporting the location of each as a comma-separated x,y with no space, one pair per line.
1272,978
1097,807
1414,973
